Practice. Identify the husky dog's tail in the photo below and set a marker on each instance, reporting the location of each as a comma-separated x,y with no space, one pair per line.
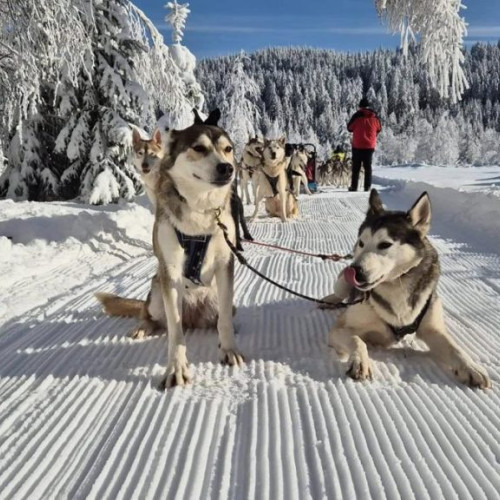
119,306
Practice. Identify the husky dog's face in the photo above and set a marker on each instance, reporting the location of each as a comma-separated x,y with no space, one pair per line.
147,153
274,150
255,147
389,243
201,155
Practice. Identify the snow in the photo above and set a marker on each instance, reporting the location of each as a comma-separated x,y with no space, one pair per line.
80,415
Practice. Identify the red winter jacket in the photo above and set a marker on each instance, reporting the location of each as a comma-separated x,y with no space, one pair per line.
365,127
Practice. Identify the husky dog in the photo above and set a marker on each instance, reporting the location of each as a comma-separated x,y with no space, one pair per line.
297,169
271,182
396,266
194,282
250,161
147,156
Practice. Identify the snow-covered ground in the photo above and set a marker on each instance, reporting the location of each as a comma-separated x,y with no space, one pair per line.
484,179
80,415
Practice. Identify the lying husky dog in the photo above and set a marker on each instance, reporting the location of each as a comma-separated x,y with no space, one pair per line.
396,266
297,169
271,182
194,283
250,161
147,155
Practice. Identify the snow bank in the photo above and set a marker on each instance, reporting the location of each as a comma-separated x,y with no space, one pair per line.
475,216
79,241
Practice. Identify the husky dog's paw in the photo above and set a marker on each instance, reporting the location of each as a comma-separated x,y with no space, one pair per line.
231,357
360,368
473,375
177,374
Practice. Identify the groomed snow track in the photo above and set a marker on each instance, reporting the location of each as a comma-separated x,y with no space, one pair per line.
81,417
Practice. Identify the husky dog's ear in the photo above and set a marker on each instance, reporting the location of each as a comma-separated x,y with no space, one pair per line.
213,117
157,137
420,214
282,140
136,136
197,117
375,204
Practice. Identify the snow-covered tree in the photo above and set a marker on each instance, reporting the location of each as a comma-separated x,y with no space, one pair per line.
441,30
304,90
240,114
185,61
68,97
36,46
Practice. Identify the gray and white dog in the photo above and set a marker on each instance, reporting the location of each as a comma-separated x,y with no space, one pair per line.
397,268
193,287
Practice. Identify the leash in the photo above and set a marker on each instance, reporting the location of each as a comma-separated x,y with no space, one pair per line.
243,261
335,256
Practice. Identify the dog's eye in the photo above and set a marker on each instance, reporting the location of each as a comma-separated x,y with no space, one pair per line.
140,153
361,244
200,149
228,149
384,245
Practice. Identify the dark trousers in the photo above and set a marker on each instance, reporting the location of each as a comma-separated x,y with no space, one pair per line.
364,157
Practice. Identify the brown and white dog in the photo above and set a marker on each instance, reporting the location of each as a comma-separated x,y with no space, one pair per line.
147,157
271,182
190,290
250,162
397,267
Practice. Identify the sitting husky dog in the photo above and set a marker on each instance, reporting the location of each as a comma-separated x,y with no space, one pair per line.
147,156
297,169
250,161
194,283
398,268
271,182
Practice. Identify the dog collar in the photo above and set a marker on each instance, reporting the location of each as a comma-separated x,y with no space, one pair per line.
401,331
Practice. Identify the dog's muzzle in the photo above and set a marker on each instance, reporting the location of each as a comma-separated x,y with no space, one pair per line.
224,174
145,168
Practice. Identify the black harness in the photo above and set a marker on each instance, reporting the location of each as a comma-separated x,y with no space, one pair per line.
195,249
273,182
401,331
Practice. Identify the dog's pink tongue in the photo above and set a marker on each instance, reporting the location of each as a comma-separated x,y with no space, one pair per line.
350,276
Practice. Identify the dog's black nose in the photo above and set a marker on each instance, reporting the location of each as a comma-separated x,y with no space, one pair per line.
273,156
359,274
225,169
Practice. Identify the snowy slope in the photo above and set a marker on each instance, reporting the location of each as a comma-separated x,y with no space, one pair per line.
80,415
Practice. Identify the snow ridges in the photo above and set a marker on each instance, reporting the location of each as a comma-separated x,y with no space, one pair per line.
80,415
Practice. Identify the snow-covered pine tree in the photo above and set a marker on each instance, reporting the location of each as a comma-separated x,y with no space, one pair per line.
240,114
185,62
36,45
96,140
68,101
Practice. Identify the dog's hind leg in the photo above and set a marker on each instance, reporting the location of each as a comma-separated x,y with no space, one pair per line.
446,351
228,352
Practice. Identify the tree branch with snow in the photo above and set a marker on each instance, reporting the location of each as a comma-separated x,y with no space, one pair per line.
441,30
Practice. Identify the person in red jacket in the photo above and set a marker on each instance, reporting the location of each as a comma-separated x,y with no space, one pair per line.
365,126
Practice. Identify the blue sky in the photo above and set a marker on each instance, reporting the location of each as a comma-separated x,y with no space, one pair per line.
219,27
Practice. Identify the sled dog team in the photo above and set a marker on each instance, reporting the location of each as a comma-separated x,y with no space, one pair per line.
189,177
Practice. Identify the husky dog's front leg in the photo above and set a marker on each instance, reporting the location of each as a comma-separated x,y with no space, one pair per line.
345,341
283,194
303,178
228,352
446,351
177,372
